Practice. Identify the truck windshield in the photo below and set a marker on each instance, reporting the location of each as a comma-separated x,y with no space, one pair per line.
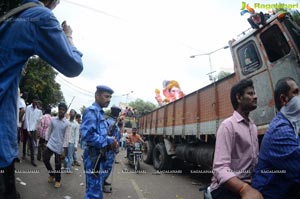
275,43
248,58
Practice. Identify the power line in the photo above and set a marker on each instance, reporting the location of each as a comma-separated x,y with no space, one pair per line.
93,9
119,18
76,88
82,89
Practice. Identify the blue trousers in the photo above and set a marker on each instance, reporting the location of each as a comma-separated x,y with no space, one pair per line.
94,184
108,164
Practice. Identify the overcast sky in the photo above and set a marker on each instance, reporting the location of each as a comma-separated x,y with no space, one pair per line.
134,45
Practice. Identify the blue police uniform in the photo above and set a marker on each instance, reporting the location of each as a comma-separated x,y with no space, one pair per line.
111,154
94,133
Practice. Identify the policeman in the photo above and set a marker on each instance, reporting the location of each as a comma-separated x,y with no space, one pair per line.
114,131
94,130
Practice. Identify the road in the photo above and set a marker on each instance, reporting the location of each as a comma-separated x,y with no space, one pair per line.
148,184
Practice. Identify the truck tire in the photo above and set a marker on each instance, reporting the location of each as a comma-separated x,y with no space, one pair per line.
147,152
161,160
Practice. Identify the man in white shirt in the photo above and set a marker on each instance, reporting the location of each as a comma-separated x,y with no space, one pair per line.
32,115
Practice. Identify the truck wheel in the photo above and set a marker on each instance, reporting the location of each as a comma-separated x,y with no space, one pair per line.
161,160
147,152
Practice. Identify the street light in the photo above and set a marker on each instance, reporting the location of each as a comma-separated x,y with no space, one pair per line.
209,59
127,94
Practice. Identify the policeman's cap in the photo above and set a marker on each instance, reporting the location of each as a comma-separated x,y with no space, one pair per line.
105,89
115,111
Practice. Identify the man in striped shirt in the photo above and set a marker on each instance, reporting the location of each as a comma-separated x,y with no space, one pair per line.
277,173
42,131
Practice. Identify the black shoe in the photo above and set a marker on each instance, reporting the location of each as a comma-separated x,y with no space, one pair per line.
116,162
106,183
33,164
17,160
76,163
18,195
107,190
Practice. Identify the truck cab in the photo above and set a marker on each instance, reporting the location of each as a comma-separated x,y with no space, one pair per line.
265,55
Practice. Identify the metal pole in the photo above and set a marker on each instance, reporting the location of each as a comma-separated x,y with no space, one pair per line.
127,94
71,102
209,53
209,59
210,65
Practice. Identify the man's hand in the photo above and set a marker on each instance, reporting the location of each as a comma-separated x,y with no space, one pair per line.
114,145
243,189
67,29
63,155
250,193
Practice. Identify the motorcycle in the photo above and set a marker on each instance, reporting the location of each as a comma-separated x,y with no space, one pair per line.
135,156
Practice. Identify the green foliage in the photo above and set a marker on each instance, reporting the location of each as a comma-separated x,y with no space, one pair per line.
39,79
82,109
296,16
128,124
6,5
223,74
142,107
107,112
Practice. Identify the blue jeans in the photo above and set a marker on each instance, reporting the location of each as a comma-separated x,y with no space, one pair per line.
69,157
124,144
74,156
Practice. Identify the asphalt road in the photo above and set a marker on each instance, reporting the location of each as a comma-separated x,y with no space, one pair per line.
148,184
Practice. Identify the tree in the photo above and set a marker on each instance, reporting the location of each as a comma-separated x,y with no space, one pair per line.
107,112
142,107
82,109
7,5
223,74
38,78
296,16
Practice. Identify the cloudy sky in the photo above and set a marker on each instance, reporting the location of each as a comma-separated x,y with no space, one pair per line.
134,45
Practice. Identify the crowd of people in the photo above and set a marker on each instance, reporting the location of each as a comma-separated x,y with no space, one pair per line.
60,135
49,135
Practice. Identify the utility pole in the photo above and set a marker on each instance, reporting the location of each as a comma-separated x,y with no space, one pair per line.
209,59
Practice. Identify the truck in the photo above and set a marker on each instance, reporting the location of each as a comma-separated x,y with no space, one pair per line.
185,129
